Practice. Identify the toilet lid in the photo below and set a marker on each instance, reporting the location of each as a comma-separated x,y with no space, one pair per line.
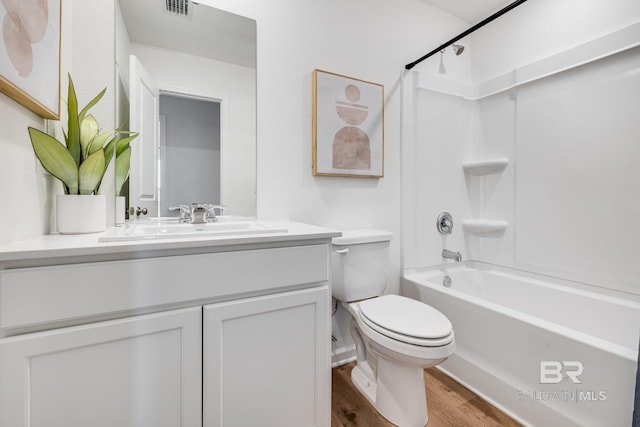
406,319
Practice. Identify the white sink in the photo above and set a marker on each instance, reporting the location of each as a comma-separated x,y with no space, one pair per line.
163,230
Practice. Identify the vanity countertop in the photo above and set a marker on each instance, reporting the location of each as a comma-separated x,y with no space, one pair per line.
63,249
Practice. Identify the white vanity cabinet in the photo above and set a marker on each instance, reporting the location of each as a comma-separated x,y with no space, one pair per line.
213,336
265,361
138,371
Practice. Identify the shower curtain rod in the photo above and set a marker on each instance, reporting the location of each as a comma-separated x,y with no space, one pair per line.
467,32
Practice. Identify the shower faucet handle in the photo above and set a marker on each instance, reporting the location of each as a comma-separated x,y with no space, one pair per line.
444,223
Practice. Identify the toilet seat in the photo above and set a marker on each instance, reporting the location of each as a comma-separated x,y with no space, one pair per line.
406,320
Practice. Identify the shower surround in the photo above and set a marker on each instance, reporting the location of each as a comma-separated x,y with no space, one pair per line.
561,204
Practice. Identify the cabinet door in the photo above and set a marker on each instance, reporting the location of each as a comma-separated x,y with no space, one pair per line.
138,371
267,362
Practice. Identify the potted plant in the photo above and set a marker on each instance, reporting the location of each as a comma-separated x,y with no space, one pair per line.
80,164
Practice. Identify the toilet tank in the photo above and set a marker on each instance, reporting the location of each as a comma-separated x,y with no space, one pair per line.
360,264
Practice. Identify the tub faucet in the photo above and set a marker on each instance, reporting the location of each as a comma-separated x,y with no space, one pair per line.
456,256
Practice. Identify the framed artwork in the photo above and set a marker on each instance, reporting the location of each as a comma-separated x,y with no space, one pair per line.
348,126
30,54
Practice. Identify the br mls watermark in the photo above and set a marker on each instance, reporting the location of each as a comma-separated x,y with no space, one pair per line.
556,372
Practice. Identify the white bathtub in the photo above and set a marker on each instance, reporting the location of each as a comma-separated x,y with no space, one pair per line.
508,323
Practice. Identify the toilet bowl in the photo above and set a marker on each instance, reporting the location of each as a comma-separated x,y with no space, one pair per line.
396,337
390,370
404,328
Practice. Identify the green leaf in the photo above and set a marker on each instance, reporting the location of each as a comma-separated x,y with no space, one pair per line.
109,150
120,144
123,143
98,142
73,142
91,172
91,103
122,169
55,159
88,131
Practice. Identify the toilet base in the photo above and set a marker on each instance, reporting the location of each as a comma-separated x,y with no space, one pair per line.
362,378
397,392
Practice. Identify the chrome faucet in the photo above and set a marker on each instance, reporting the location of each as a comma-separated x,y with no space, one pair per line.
185,212
197,213
456,256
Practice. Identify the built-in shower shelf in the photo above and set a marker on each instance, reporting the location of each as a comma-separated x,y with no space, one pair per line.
485,167
484,226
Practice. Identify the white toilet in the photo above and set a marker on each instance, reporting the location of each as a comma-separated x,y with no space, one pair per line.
395,337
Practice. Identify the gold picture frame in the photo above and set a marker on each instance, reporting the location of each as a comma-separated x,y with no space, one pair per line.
348,126
30,55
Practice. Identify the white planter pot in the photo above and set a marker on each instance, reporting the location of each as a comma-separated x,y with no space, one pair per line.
76,214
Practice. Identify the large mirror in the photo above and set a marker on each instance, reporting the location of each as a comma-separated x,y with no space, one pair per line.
186,81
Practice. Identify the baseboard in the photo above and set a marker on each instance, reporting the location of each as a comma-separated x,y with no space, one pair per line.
342,356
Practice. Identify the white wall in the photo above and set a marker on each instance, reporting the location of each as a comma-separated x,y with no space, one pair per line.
25,199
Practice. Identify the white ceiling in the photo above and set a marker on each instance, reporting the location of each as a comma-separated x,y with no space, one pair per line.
472,11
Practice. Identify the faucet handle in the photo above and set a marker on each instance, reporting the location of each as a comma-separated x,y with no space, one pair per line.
185,211
179,207
211,210
444,223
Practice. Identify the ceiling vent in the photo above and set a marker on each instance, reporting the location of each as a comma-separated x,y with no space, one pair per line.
179,7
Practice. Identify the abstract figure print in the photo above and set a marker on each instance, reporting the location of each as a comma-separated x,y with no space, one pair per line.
351,148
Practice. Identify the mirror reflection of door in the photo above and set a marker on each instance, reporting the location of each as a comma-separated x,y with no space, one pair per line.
144,111
189,151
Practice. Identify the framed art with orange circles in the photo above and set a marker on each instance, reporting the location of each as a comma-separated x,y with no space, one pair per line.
30,54
348,126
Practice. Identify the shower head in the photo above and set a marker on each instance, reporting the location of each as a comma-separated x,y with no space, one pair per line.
457,49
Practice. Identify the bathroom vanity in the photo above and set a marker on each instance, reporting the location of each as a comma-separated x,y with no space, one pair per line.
216,331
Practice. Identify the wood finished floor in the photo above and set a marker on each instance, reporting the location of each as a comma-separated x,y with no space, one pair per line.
450,404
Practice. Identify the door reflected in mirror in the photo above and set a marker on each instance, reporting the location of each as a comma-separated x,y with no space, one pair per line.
187,84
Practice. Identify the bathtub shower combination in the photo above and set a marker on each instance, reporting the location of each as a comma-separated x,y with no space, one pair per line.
546,351
534,166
